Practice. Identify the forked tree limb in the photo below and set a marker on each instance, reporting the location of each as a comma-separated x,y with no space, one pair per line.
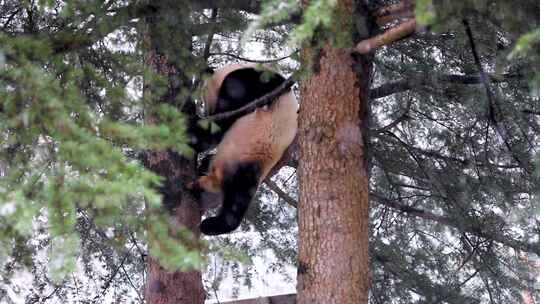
399,32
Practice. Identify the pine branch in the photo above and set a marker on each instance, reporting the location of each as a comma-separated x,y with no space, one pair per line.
394,34
491,98
532,112
477,229
64,42
414,81
250,6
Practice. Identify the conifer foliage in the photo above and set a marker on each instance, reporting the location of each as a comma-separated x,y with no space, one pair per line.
450,131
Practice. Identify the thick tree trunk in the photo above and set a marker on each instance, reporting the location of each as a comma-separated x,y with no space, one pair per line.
164,286
333,206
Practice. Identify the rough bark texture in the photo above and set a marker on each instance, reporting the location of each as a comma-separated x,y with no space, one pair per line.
333,206
281,299
164,286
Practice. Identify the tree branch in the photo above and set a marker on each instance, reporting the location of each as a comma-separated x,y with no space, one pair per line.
210,38
250,6
491,99
399,32
476,229
65,41
282,194
259,102
532,112
393,9
422,79
404,115
253,60
10,18
392,12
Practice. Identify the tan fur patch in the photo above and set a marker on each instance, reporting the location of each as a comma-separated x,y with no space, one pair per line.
260,136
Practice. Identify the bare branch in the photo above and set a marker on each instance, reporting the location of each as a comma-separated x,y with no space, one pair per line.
399,32
413,81
402,117
491,99
253,60
475,229
250,6
10,18
387,19
282,194
403,6
532,112
403,9
210,38
279,299
259,102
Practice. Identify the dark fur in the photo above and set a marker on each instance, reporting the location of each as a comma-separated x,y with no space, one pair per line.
237,183
239,186
242,86
238,89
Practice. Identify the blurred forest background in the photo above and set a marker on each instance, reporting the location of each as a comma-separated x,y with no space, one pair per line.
453,160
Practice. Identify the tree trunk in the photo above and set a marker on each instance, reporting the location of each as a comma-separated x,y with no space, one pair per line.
164,286
333,206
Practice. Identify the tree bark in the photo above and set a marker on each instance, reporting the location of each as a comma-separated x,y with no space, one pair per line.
333,206
164,286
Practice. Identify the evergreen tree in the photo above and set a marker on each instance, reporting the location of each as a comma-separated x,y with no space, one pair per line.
451,155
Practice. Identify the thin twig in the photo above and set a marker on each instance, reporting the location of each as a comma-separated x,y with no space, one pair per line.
113,275
141,300
253,60
210,38
417,80
10,18
402,117
490,96
282,194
